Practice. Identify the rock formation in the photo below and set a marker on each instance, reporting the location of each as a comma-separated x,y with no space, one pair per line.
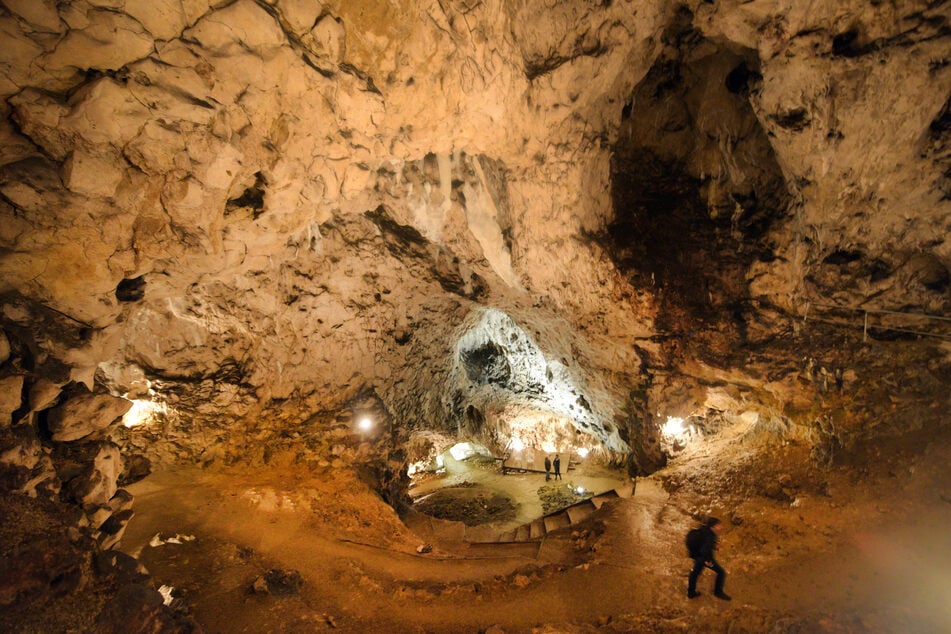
259,219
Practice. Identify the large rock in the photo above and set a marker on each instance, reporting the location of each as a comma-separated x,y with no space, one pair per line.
47,564
11,398
4,347
96,485
25,464
43,394
140,608
111,531
84,414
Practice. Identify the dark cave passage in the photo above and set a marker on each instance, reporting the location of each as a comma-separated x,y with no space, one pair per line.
696,187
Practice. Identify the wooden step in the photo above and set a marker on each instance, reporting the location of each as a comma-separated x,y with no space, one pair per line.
578,512
481,534
601,498
509,536
537,529
557,521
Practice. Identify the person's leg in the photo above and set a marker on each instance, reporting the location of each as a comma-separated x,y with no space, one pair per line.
721,579
692,579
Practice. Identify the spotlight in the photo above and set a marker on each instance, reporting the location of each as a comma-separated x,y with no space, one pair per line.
582,452
517,444
365,424
580,490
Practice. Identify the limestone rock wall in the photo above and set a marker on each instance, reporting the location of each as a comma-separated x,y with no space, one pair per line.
854,99
743,119
256,211
554,220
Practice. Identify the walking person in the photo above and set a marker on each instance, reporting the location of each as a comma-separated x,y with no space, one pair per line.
557,465
701,546
547,468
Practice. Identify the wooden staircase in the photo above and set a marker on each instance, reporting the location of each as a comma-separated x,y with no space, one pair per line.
539,528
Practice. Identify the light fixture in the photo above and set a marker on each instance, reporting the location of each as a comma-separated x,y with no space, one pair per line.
365,424
517,444
580,490
582,452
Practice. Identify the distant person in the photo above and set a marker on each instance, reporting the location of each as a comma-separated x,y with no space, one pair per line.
701,546
557,465
547,468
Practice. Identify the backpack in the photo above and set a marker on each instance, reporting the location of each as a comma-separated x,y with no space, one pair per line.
694,542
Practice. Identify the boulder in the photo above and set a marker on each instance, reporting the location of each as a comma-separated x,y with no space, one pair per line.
283,583
135,608
43,394
97,483
125,567
85,414
11,398
4,347
47,564
98,516
25,464
121,501
135,468
259,586
111,531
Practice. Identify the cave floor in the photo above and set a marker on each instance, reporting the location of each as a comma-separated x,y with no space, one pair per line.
531,495
841,549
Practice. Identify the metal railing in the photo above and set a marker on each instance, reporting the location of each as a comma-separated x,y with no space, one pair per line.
878,311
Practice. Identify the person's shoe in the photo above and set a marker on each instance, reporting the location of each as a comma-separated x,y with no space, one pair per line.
692,594
723,595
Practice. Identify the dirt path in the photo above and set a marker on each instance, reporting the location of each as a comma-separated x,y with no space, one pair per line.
812,568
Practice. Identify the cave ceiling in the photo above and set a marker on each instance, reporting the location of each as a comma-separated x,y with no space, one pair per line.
459,215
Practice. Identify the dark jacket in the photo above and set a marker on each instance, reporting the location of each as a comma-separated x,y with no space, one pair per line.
709,543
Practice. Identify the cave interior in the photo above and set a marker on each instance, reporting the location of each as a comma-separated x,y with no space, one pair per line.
299,300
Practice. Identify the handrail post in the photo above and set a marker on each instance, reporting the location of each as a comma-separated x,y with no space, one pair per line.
865,329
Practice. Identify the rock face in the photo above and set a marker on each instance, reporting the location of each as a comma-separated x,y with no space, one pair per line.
502,379
251,216
85,414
